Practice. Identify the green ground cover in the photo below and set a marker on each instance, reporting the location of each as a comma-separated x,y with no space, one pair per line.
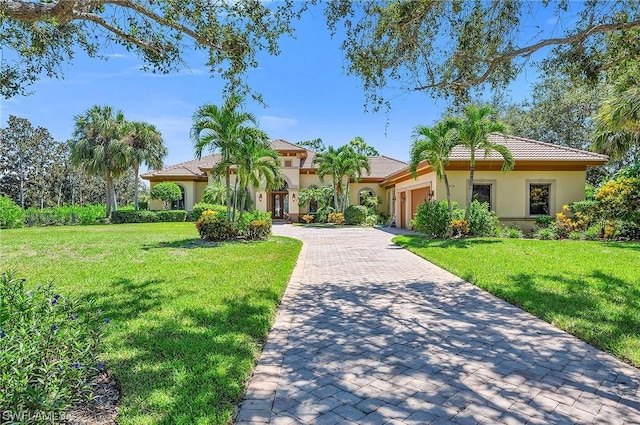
589,289
187,318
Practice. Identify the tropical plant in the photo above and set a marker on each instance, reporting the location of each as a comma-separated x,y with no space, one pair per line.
98,147
617,123
166,192
257,164
11,215
321,195
432,219
434,145
355,214
482,222
215,193
145,147
472,132
343,164
222,128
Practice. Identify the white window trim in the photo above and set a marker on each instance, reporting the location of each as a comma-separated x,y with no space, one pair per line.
552,196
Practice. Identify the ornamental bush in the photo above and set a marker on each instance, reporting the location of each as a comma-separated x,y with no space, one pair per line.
48,349
65,215
11,214
166,192
336,218
432,219
259,230
203,206
174,216
214,226
482,222
130,216
355,214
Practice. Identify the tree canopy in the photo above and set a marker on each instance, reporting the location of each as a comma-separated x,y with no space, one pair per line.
46,35
451,48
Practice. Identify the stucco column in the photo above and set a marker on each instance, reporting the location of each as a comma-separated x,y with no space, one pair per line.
294,206
261,200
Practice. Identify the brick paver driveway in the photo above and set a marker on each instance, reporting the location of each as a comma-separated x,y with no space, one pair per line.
369,333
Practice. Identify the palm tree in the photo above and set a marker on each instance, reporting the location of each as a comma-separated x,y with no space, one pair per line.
617,128
341,163
222,128
434,145
145,146
257,163
215,193
98,147
472,131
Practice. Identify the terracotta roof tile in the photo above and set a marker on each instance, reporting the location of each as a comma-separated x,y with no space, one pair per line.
527,149
185,169
283,145
382,166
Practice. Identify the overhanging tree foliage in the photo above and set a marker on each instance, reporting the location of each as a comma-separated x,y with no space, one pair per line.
448,48
44,36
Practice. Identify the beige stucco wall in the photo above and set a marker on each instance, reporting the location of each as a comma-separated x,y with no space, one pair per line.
510,191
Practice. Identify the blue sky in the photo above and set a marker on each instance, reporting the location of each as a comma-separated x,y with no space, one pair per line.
307,92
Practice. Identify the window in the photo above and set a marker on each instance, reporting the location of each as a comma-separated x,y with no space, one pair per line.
364,194
179,204
287,163
482,193
540,199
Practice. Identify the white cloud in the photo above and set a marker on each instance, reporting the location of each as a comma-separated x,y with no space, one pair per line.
272,122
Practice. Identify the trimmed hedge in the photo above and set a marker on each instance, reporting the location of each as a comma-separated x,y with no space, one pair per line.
65,215
145,216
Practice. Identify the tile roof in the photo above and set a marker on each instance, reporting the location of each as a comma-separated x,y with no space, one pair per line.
382,166
283,145
185,169
527,149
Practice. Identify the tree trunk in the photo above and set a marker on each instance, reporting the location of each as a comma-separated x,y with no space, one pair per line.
242,203
113,198
109,192
21,184
136,169
472,168
336,188
446,185
235,198
227,179
345,196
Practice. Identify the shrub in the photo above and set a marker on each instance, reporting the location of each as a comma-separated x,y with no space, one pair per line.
591,233
65,215
203,206
628,229
355,214
171,216
48,349
575,236
459,227
619,199
259,230
545,233
482,222
543,221
242,225
322,215
337,218
140,216
373,219
512,232
214,226
143,205
166,192
307,218
11,214
432,219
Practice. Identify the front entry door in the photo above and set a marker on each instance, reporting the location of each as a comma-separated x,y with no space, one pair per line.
278,205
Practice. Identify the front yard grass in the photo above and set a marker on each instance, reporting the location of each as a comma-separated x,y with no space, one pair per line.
589,289
188,318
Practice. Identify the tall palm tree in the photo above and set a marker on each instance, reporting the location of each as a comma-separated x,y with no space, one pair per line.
145,146
434,144
98,147
617,128
472,131
257,163
329,162
356,163
221,128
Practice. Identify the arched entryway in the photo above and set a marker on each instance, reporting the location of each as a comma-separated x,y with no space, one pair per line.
180,203
279,202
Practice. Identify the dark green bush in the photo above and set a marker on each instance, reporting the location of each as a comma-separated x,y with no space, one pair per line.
214,226
11,214
628,229
355,214
243,224
544,221
65,215
432,219
48,350
143,205
203,206
482,222
140,216
166,192
259,230
171,216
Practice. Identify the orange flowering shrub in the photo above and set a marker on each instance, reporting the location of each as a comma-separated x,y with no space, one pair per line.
337,218
308,218
459,227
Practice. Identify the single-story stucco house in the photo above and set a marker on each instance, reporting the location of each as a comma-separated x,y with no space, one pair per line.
545,178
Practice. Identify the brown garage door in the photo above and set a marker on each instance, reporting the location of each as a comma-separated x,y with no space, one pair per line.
419,196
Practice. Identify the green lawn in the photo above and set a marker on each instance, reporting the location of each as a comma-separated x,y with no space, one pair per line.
187,318
589,289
